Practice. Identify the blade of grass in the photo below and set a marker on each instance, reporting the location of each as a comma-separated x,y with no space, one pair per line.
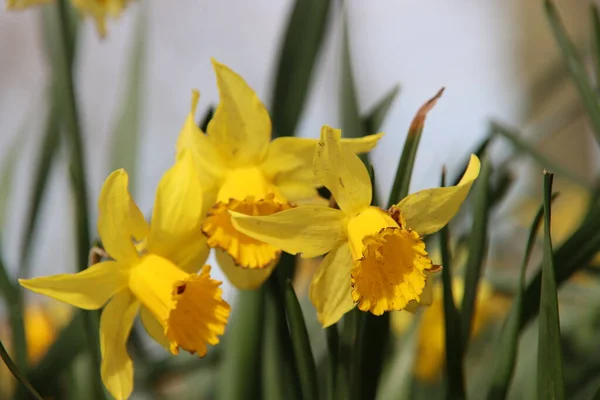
596,40
300,48
409,152
239,375
523,146
305,363
15,372
127,131
373,120
550,376
7,173
477,249
479,152
575,66
508,339
333,349
455,379
14,303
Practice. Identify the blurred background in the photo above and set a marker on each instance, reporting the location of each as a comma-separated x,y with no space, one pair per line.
497,59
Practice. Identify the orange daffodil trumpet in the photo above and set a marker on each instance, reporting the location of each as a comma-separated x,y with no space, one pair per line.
153,271
98,10
244,171
375,259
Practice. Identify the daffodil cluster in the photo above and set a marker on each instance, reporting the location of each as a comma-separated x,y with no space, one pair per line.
250,198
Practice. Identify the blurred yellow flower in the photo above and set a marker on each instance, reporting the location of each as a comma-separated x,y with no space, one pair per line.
431,351
179,308
98,10
375,259
244,171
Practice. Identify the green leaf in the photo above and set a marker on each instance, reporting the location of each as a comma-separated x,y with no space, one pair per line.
596,40
374,345
16,373
576,67
305,363
333,349
7,173
377,115
550,377
44,163
407,160
300,48
239,374
455,379
508,339
479,151
523,146
127,131
478,243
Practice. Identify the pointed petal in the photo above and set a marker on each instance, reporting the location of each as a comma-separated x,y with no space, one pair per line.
176,220
287,155
115,325
430,210
241,127
330,289
89,289
207,159
119,218
243,278
310,230
342,173
154,328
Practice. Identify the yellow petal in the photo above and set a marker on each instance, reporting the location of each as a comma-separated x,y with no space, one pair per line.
241,128
208,162
115,325
154,328
176,220
430,210
89,289
119,218
342,173
310,230
243,278
330,287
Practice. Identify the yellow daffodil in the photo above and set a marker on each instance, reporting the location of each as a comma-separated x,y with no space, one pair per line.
99,10
376,259
152,271
244,171
431,351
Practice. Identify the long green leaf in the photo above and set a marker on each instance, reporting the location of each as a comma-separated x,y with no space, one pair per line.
299,51
455,380
16,373
375,117
305,363
550,378
333,351
239,375
508,340
409,152
523,146
477,249
576,68
596,39
7,173
127,131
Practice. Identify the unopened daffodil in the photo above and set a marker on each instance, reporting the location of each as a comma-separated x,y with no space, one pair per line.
98,10
244,171
152,271
376,259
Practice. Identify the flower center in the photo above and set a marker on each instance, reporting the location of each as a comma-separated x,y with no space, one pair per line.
246,251
389,262
188,306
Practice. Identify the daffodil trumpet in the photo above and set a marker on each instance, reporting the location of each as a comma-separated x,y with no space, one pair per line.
153,270
243,170
376,259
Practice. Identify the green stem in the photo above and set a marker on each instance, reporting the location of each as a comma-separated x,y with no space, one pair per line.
16,373
64,72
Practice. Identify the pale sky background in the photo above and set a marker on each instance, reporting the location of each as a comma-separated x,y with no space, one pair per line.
487,53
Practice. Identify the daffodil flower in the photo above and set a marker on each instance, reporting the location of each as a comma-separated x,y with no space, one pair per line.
376,259
152,271
244,171
98,10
